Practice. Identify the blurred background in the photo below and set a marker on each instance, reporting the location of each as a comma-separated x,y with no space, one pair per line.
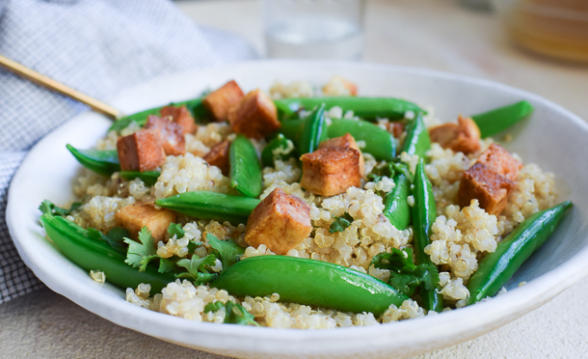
540,45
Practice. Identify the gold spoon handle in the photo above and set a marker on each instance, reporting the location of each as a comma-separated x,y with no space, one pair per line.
43,80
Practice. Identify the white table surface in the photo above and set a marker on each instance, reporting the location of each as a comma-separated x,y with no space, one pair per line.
433,33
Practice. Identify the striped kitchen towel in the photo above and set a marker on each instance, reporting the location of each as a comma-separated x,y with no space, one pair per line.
98,47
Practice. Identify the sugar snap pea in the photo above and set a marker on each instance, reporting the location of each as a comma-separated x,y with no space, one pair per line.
293,128
210,205
104,162
75,243
148,177
499,119
396,207
498,267
310,282
378,142
363,107
424,213
314,131
195,106
417,141
276,148
245,170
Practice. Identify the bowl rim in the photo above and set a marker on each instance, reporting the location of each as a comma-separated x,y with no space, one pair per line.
432,329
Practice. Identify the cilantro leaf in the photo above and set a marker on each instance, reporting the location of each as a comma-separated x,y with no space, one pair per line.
213,306
49,207
399,260
228,250
405,275
175,229
166,265
197,268
389,169
373,177
140,253
234,313
404,283
192,245
340,223
114,237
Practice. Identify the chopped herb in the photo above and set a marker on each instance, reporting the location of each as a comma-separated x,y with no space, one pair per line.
198,268
192,245
175,229
405,275
166,265
140,253
228,251
234,313
213,307
372,177
341,223
389,169
50,208
114,237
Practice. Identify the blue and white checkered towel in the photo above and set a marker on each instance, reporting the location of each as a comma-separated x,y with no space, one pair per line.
97,47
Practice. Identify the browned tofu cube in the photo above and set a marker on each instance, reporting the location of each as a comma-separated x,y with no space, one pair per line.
331,170
444,133
256,116
219,156
490,188
141,151
501,161
181,116
220,101
281,221
461,137
136,216
345,142
171,133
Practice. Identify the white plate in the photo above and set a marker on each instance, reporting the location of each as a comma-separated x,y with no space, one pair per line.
553,137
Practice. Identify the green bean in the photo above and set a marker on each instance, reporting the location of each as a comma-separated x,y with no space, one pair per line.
245,170
148,177
396,207
210,205
378,142
314,131
75,244
363,107
423,217
276,148
498,267
104,162
194,105
417,141
310,282
499,119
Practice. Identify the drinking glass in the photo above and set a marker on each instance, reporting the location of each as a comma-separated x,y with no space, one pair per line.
317,29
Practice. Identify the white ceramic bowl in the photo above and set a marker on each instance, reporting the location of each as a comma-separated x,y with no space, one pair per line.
553,137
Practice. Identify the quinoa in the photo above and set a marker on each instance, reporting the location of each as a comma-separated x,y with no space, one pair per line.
460,237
